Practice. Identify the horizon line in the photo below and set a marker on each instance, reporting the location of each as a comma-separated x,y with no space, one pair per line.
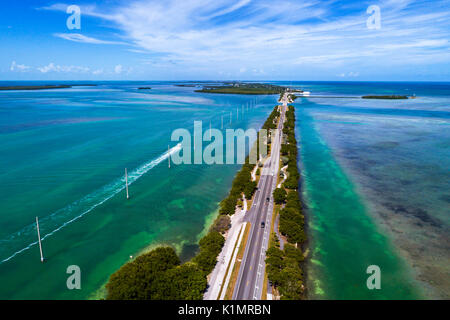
228,80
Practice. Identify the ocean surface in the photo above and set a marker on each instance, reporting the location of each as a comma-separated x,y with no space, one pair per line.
375,179
63,155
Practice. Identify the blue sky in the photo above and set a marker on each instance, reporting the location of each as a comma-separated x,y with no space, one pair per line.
226,39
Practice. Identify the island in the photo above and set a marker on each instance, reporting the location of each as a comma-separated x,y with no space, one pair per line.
392,97
243,88
45,87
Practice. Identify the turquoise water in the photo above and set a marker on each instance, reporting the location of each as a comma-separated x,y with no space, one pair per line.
376,181
63,158
344,240
375,177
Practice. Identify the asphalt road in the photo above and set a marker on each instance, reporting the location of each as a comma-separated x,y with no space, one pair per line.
251,273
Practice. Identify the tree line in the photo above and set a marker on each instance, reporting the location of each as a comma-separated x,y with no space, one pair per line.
284,270
159,274
243,183
284,266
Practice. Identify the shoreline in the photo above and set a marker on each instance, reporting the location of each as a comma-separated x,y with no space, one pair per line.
208,233
101,292
341,229
412,226
44,87
402,247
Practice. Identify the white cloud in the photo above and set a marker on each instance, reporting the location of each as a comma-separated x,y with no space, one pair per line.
258,71
77,37
97,72
19,67
264,33
51,67
118,69
350,74
204,34
230,9
413,44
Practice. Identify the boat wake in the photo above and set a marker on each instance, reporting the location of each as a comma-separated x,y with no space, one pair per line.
65,216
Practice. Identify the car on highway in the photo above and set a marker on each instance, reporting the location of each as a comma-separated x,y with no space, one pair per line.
263,224
267,199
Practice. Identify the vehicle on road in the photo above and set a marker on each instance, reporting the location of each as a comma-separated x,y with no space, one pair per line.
267,199
263,224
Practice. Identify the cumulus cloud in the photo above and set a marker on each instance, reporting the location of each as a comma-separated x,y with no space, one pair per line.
18,67
203,34
51,67
350,74
97,72
118,69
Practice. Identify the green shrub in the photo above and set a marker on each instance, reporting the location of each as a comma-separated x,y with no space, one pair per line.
185,282
210,247
284,271
279,195
135,280
221,224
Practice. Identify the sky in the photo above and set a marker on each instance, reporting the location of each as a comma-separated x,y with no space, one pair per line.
386,40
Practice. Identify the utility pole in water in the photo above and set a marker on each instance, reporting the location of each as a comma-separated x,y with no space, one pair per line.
126,182
39,239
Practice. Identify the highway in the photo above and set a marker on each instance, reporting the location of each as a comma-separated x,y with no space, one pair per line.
250,279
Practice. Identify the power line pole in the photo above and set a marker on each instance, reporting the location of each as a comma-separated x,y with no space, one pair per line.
39,239
126,182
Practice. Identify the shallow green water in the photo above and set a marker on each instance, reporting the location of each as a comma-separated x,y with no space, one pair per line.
344,239
63,159
62,156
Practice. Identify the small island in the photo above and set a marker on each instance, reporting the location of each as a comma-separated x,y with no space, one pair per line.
391,97
46,87
243,88
35,87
